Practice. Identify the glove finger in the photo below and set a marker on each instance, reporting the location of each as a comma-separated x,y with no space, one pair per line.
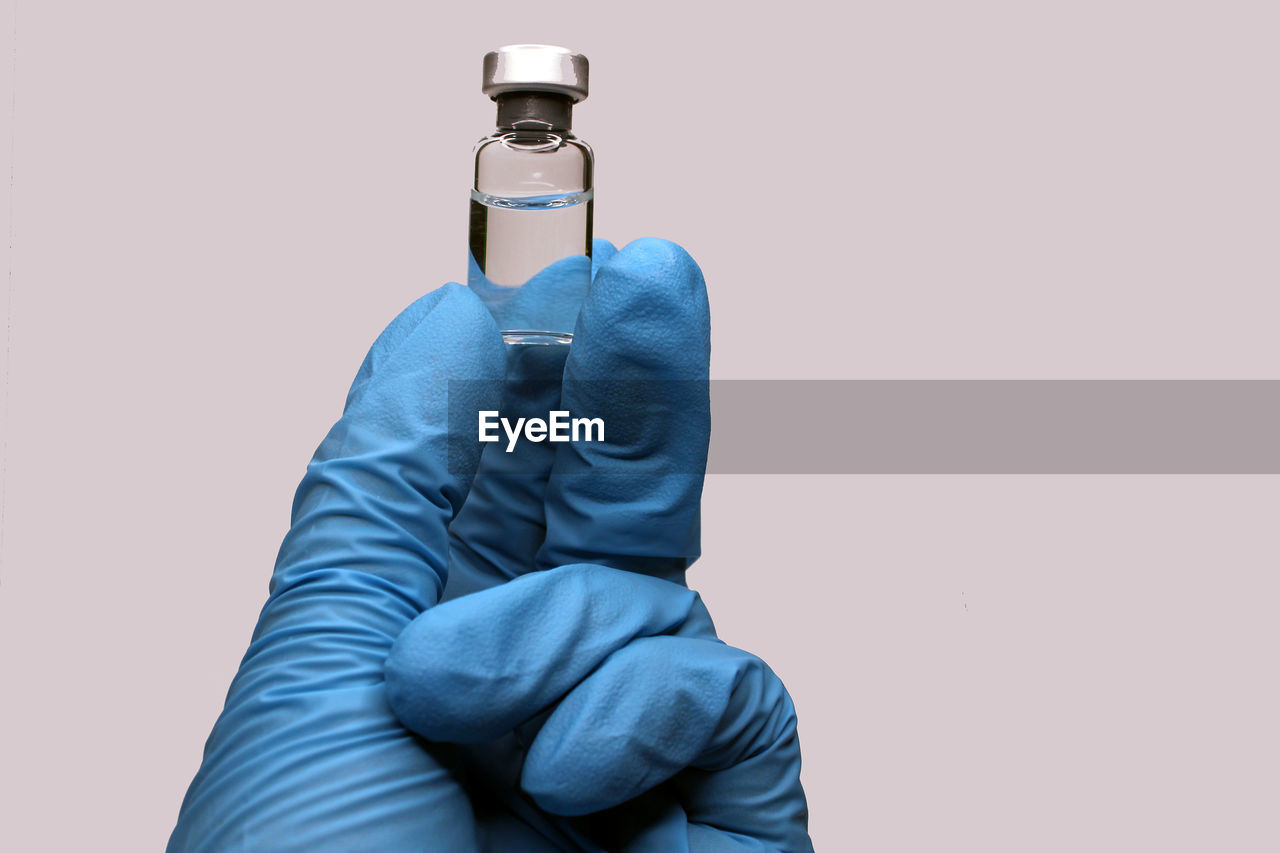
639,362
500,528
306,754
659,705
602,251
390,339
473,669
372,513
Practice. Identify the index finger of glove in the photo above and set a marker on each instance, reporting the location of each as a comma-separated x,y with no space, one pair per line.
639,364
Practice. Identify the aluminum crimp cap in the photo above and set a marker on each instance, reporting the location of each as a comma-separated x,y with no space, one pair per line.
535,68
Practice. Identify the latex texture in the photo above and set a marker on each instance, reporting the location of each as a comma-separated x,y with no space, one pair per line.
466,651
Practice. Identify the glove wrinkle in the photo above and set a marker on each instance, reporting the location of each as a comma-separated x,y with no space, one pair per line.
307,755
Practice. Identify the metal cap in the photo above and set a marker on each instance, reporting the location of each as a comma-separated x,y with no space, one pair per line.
535,68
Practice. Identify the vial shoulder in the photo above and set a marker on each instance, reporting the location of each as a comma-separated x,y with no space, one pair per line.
519,143
531,163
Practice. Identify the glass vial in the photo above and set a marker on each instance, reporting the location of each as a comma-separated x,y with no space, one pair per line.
531,201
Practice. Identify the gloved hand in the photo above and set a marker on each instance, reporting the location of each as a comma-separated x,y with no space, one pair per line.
571,694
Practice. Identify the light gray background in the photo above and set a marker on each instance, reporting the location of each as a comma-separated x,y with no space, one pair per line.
216,207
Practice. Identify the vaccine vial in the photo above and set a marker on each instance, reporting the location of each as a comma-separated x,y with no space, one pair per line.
531,201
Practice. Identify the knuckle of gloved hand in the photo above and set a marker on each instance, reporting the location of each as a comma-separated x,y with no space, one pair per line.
758,718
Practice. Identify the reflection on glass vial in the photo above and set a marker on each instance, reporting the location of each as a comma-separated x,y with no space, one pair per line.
531,201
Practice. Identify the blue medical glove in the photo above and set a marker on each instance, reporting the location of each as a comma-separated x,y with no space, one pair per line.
586,706
576,668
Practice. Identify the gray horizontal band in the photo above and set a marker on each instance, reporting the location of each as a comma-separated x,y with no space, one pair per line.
996,427
944,426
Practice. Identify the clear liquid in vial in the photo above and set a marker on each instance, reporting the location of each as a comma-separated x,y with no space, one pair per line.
531,262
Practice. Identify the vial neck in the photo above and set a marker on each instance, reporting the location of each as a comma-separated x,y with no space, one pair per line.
534,110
